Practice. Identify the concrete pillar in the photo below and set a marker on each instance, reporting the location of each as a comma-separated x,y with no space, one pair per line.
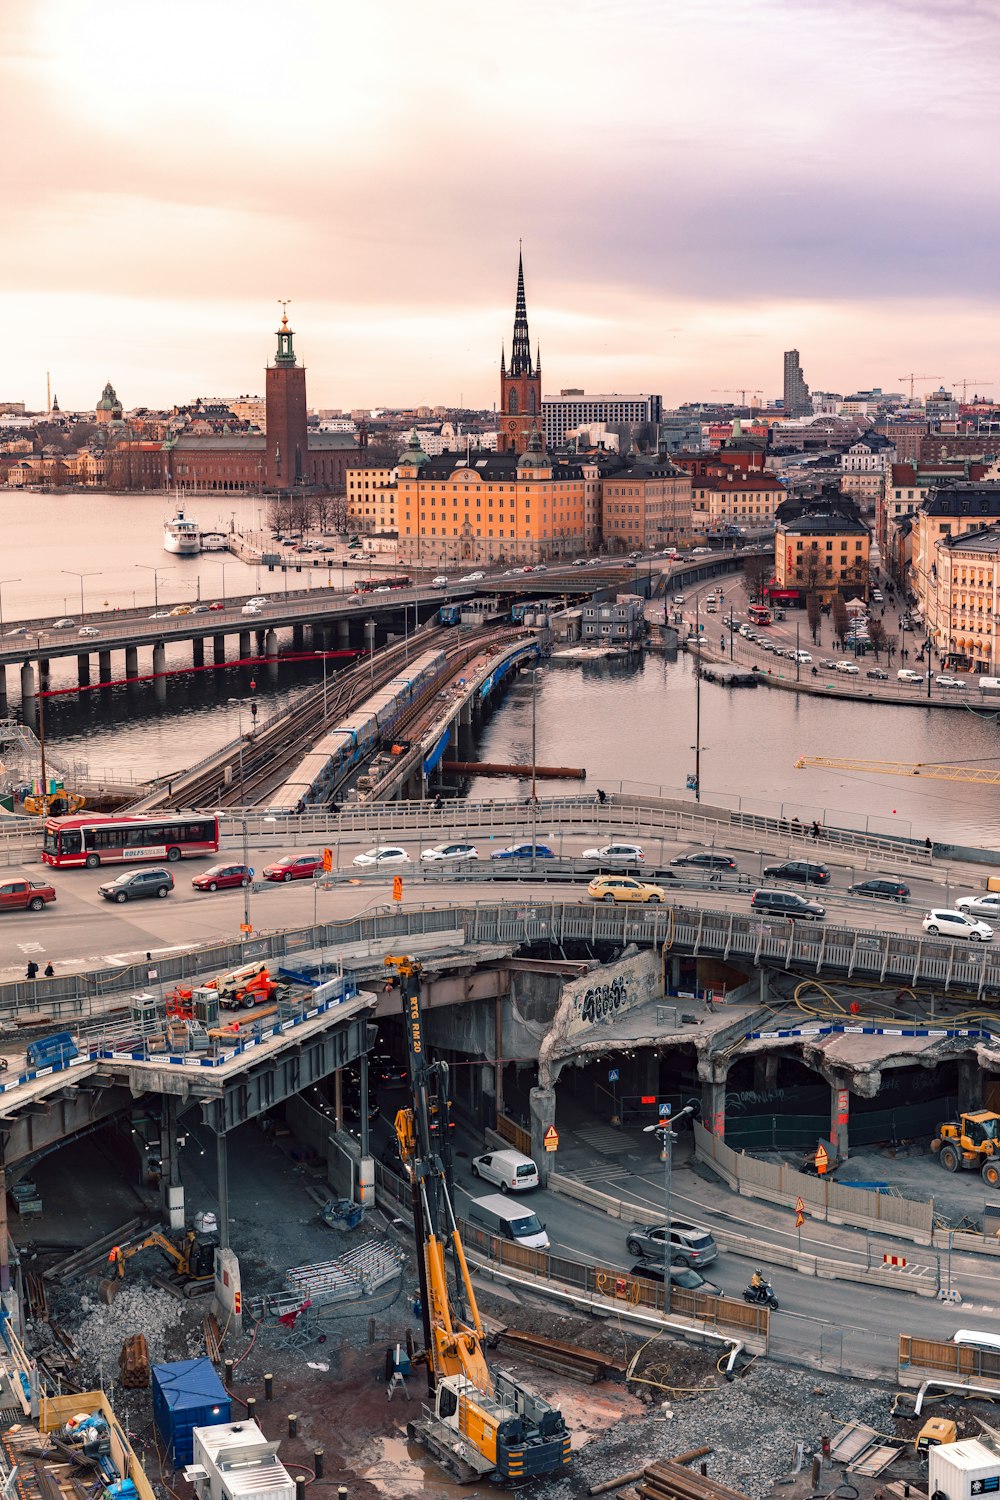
222,1178
198,651
104,666
765,1072
713,1100
219,648
131,661
488,1095
542,1103
159,658
83,668
28,685
343,634
244,644
44,674
4,1242
840,1110
647,1072
3,691
298,638
970,1085
259,637
271,643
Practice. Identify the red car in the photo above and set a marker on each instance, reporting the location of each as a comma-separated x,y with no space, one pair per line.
295,867
223,877
24,895
216,606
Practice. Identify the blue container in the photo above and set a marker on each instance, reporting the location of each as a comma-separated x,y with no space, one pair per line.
186,1395
49,1050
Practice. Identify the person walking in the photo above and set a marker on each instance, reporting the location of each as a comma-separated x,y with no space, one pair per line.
49,971
31,972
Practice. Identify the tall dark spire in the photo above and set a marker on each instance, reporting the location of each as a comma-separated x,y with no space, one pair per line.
520,354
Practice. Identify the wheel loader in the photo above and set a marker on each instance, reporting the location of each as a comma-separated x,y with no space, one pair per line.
970,1144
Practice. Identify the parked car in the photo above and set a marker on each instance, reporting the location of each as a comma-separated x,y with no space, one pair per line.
131,885
617,854
880,890
680,1276
523,851
959,924
613,888
25,895
690,1244
223,878
449,852
804,871
294,867
980,906
706,860
786,904
510,1170
382,854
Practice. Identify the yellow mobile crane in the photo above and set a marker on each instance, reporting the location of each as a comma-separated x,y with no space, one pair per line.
933,770
479,1424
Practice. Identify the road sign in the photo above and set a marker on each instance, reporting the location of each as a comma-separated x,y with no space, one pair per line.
800,1213
327,860
397,888
664,1111
550,1139
613,1075
822,1159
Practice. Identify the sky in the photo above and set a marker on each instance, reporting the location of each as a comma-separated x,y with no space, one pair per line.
698,186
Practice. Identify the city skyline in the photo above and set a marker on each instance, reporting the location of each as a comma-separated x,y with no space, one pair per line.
176,170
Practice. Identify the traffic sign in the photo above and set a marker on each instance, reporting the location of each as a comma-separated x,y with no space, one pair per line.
397,888
664,1111
327,860
550,1139
613,1075
822,1159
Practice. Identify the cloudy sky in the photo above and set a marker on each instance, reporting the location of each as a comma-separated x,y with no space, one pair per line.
698,186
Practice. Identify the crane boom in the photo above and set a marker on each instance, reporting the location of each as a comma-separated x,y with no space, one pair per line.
932,770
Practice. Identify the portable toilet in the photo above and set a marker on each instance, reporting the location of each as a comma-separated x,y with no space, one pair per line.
187,1394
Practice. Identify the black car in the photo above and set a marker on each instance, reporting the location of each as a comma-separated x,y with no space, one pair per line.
386,1071
786,904
878,674
801,870
706,861
880,890
682,1276
132,884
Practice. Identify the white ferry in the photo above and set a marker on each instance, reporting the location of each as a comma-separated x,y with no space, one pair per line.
181,534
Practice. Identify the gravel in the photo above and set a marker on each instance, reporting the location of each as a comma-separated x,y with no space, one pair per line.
99,1330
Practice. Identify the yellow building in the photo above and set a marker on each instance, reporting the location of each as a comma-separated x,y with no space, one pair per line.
946,512
492,507
371,499
963,608
826,551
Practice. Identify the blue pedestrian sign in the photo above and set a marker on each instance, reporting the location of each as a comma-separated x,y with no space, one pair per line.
664,1111
613,1075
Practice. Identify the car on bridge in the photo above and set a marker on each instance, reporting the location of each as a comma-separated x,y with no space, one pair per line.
88,631
223,878
133,885
439,853
617,854
849,668
64,624
383,854
25,895
706,861
980,906
612,888
475,577
882,890
950,682
294,867
802,871
523,851
786,904
945,923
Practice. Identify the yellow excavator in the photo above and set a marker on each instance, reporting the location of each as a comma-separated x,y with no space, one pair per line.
193,1263
970,1144
479,1424
58,804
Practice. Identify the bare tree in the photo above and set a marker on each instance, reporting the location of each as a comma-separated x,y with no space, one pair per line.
756,572
813,614
890,642
841,618
877,635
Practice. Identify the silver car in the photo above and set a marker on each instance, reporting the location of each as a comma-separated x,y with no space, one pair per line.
980,906
690,1244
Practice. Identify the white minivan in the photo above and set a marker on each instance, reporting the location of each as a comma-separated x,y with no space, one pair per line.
499,1217
512,1171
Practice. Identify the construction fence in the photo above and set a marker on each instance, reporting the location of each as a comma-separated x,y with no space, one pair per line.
824,1198
922,1359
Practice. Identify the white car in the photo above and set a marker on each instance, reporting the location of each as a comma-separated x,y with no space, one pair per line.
258,599
801,656
88,630
980,906
452,852
440,582
905,674
384,854
162,614
957,924
617,854
950,682
678,598
511,1170
251,609
472,577
849,668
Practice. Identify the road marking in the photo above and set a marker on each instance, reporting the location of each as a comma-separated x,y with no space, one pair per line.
31,947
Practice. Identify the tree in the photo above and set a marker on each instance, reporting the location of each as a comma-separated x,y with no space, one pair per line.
877,635
756,573
841,619
813,614
890,642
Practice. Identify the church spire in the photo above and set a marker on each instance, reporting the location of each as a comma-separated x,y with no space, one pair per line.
520,355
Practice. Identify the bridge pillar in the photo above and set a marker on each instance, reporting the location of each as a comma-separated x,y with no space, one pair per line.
43,674
4,1242
131,661
3,692
259,636
244,644
765,1072
83,668
171,1190
542,1103
343,634
271,643
28,686
970,1085
298,638
713,1099
222,1179
840,1110
219,648
198,651
104,666
159,658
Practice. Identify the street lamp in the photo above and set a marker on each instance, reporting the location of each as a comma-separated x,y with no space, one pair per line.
73,573
239,707
2,582
534,765
664,1129
146,568
323,655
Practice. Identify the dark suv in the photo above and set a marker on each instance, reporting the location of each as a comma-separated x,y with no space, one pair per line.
786,904
800,870
880,890
132,884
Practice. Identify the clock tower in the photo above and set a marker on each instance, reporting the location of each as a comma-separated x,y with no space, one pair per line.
521,385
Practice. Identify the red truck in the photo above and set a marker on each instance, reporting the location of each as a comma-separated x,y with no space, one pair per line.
21,895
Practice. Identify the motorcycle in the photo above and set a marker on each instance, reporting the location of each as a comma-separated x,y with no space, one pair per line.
759,1292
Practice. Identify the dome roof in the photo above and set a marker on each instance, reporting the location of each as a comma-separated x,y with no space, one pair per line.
534,456
109,399
413,454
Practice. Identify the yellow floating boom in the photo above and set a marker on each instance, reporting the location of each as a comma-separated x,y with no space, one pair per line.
933,770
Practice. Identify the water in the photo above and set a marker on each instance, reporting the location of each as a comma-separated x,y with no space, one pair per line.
632,722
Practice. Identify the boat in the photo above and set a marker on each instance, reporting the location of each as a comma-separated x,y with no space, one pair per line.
181,534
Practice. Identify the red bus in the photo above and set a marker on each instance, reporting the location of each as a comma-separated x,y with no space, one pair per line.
94,839
759,614
369,585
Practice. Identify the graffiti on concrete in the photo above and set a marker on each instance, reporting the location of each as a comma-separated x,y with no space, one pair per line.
590,1004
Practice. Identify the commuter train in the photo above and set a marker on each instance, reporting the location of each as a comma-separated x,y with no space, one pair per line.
316,778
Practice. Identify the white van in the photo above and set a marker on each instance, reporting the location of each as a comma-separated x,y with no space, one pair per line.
502,1218
969,1338
512,1171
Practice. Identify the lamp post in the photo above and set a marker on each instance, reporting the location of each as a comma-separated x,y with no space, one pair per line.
41,724
2,582
798,664
927,653
239,708
731,633
74,574
146,568
534,765
323,655
664,1129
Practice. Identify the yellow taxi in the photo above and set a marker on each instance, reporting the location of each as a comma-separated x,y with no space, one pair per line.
624,888
182,609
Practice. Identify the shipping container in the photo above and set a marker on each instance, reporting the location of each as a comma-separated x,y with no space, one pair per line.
187,1394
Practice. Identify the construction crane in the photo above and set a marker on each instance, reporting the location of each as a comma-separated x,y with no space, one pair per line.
479,1424
966,380
743,391
932,770
914,376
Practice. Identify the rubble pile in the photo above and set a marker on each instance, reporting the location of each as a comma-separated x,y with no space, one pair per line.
102,1330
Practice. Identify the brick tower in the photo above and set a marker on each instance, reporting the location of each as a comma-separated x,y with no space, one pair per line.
521,385
285,390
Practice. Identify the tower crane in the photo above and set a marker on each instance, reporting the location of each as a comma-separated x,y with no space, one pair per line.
966,380
743,391
914,376
932,770
480,1423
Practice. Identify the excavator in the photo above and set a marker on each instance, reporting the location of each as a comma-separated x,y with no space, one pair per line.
193,1262
58,804
479,1423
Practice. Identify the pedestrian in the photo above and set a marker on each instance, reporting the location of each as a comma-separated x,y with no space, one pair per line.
815,829
438,804
927,845
31,971
50,972
602,796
